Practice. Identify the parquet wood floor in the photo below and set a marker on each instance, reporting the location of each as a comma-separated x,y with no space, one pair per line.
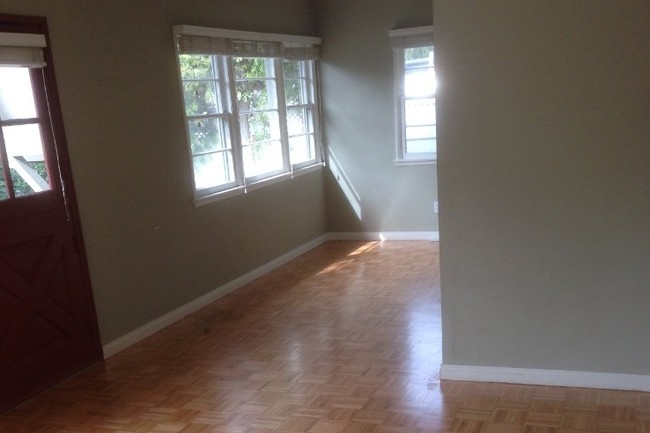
343,339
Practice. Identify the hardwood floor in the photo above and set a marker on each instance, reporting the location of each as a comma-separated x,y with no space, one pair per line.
343,339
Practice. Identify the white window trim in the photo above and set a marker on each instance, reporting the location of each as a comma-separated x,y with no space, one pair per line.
241,185
400,40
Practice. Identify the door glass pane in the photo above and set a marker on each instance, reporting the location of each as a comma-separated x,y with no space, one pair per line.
213,169
26,159
4,194
16,95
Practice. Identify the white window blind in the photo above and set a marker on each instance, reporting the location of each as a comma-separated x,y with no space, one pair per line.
412,37
198,40
22,50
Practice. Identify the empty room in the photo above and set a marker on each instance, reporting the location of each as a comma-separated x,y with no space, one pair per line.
224,216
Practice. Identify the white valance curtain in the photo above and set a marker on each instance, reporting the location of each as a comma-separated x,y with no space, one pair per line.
266,45
22,50
411,37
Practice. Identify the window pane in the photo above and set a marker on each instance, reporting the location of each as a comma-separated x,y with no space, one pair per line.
213,169
200,97
262,126
292,69
299,121
264,157
196,67
26,159
246,68
302,148
206,135
418,57
421,146
420,82
256,95
420,112
420,139
295,91
420,132
419,77
4,193
16,95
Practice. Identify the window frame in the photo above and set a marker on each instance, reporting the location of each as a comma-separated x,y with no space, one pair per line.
401,40
296,48
311,103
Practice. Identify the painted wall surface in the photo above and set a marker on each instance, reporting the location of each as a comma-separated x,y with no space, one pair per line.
544,160
149,249
367,191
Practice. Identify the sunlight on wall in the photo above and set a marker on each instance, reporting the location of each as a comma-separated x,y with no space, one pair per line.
344,182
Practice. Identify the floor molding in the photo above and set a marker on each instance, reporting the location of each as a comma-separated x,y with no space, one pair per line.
162,322
526,376
385,236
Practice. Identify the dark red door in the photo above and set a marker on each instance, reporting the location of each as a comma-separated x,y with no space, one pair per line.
48,328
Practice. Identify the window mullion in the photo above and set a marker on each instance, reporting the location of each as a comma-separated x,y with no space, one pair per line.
400,97
318,139
235,133
282,113
209,116
402,126
310,89
5,167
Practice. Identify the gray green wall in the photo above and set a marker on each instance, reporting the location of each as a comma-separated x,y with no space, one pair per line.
544,160
358,118
149,249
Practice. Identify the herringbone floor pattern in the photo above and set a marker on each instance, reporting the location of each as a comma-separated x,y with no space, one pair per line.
343,339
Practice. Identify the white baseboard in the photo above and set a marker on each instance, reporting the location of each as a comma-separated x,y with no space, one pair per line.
162,322
156,325
526,376
384,236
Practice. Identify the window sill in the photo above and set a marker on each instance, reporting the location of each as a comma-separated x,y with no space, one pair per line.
222,195
407,162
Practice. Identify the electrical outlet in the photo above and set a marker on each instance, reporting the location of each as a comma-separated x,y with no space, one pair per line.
435,207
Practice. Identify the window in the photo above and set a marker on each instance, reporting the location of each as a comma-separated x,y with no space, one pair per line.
24,121
415,95
251,108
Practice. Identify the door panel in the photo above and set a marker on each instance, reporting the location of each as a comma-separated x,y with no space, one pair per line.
48,328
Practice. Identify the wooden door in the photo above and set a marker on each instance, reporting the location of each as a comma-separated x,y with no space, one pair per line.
48,327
